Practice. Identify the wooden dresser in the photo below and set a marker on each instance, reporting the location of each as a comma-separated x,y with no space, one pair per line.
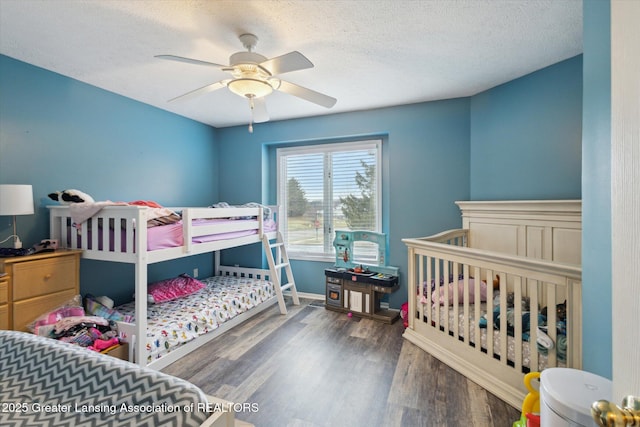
35,284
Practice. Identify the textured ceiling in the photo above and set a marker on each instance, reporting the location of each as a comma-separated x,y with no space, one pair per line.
366,53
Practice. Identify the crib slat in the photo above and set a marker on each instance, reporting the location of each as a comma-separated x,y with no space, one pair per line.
478,313
490,323
518,327
552,321
455,305
417,305
465,325
573,331
532,291
428,278
445,307
503,320
436,320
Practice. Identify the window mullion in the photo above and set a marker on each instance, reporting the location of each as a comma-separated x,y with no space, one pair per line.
327,204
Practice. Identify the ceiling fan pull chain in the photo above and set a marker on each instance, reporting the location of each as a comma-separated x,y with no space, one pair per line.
251,120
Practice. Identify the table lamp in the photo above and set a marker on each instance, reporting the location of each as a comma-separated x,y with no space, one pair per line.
16,200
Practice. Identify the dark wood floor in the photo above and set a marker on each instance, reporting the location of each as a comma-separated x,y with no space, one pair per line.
315,367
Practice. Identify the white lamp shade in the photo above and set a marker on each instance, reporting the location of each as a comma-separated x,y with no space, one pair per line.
16,199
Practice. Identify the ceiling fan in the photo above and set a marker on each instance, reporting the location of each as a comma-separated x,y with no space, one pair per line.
255,76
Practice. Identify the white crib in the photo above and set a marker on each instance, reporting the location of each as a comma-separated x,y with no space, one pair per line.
532,251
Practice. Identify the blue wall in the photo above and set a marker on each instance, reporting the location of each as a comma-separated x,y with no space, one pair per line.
526,136
58,133
425,169
536,120
596,189
433,154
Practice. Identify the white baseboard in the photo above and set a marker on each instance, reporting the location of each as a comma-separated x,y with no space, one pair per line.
306,295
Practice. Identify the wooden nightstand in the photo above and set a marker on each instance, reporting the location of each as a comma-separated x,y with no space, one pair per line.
4,302
35,284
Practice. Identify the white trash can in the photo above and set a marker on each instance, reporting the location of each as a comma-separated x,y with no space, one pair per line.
566,396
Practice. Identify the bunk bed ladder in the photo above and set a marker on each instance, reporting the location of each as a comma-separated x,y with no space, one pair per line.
277,262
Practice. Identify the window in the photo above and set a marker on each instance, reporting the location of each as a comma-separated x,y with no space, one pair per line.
328,187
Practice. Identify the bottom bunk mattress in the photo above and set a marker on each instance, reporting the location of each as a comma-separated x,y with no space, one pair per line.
173,323
47,382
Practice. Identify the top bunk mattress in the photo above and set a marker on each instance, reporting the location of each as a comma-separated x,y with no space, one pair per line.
115,227
171,235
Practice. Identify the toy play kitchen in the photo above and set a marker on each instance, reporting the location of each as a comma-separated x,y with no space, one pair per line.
358,288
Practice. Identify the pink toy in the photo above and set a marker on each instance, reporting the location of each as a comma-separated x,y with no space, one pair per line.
349,314
99,345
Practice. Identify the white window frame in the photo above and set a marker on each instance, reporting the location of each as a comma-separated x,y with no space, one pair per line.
329,231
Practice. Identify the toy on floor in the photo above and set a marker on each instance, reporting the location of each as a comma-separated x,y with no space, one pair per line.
530,416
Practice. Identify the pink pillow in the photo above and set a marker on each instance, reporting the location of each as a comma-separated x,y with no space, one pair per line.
472,290
167,290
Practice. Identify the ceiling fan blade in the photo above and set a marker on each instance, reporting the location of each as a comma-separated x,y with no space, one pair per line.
307,94
188,60
200,91
260,113
286,63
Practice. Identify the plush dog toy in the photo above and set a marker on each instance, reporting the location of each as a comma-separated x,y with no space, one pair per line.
67,197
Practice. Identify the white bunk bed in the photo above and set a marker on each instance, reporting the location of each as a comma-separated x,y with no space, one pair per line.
113,234
532,249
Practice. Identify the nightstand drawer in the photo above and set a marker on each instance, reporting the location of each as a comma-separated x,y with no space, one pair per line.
4,291
4,316
41,277
24,312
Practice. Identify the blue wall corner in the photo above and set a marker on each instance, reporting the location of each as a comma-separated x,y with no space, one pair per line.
526,136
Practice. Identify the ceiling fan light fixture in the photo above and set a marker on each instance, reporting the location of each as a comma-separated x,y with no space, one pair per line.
250,88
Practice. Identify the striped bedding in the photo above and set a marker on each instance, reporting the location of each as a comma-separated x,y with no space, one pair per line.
44,382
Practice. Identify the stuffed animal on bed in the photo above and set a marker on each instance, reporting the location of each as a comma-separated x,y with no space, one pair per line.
67,197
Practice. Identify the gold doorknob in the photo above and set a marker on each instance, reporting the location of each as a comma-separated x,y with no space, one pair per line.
608,414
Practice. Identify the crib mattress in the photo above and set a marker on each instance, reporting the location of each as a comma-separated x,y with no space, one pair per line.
448,316
174,323
44,382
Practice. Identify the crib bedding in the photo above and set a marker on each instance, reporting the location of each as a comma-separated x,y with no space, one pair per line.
447,316
174,323
44,382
